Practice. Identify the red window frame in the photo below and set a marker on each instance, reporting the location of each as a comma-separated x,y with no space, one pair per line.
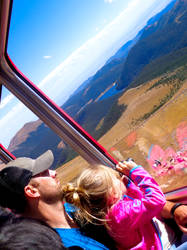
5,155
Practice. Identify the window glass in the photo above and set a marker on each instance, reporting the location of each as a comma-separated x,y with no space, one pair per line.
111,66
34,137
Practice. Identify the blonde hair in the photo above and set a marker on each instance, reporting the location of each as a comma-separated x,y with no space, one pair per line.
90,193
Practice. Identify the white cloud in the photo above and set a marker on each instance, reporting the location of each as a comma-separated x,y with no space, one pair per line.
6,100
109,1
47,57
13,121
10,115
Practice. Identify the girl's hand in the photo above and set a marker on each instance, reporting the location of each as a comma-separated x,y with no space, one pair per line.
125,167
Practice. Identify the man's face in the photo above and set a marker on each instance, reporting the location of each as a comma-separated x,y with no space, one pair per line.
48,185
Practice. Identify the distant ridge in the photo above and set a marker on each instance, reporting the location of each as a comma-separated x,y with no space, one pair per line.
134,63
167,35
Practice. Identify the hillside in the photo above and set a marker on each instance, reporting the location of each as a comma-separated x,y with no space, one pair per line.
166,36
111,71
104,78
136,139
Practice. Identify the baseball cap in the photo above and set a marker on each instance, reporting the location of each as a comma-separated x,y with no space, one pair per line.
17,173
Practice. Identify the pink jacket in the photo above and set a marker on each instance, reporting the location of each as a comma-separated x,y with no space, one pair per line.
130,220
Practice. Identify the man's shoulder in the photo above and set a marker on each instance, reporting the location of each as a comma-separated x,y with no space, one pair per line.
97,234
74,237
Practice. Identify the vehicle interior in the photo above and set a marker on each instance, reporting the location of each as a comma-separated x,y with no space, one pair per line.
148,127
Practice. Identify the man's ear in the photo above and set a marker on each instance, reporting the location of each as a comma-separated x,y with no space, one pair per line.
31,191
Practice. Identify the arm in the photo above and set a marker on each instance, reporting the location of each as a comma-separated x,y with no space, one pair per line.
150,191
148,205
180,215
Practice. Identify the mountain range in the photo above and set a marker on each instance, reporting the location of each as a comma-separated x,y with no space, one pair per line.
159,47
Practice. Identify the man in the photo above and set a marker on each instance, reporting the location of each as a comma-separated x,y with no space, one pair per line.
21,233
24,233
28,187
178,212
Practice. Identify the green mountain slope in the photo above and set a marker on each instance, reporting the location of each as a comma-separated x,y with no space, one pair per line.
164,37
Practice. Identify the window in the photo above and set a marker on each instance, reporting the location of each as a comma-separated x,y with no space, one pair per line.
70,54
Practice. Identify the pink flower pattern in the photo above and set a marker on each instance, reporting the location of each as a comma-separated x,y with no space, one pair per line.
163,161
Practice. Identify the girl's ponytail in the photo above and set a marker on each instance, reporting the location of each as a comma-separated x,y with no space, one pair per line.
71,194
79,198
91,192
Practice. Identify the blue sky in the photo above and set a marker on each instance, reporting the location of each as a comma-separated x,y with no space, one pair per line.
58,44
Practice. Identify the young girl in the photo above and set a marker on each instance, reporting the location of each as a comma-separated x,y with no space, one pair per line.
126,210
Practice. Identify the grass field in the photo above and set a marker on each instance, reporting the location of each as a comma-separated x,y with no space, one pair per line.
151,118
